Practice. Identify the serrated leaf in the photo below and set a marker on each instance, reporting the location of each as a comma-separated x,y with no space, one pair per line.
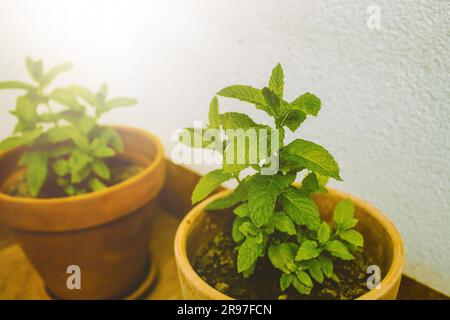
243,93
208,183
235,232
35,69
25,110
282,256
343,210
54,72
272,101
286,281
353,237
104,152
66,98
248,229
276,82
213,116
236,120
300,208
307,103
262,195
60,167
338,249
242,210
11,143
101,169
248,253
304,278
15,85
120,102
324,232
300,287
308,250
311,156
283,223
60,134
84,94
95,184
36,172
239,194
315,271
326,265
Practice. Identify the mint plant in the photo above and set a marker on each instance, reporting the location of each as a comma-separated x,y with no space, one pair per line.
273,217
65,144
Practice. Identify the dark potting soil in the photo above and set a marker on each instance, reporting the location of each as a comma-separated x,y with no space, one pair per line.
216,264
121,170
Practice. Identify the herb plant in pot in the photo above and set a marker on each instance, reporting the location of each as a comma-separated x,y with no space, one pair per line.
270,238
77,194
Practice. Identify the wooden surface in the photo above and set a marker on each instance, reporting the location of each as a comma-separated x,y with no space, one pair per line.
19,280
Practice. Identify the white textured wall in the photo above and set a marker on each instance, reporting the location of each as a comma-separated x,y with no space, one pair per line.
385,93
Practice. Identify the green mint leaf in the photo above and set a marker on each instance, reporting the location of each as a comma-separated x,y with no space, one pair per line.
104,152
262,195
236,120
15,85
25,110
243,93
314,183
96,184
36,172
272,101
292,119
239,194
343,211
236,234
286,281
208,183
300,287
213,116
282,256
276,82
311,156
326,265
11,143
307,250
353,237
323,233
315,271
338,249
60,134
109,136
54,72
242,210
35,69
66,98
248,253
84,94
101,169
283,223
300,208
307,103
248,229
61,167
120,102
101,95
304,278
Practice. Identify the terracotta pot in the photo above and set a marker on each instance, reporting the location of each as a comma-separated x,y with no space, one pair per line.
382,241
105,233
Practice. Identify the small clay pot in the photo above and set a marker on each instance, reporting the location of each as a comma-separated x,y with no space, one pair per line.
105,233
382,241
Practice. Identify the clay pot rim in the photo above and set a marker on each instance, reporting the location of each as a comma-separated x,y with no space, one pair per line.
159,158
389,281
